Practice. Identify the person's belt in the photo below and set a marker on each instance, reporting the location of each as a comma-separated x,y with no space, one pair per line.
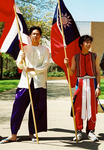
86,77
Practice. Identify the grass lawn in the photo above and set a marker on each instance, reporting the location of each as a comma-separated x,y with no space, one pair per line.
102,89
10,84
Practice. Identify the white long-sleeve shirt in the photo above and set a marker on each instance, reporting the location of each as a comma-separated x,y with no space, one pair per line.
37,58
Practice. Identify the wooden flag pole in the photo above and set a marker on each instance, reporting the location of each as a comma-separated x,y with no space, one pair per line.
33,113
67,70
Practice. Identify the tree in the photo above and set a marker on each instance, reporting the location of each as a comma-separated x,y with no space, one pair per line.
40,7
35,12
1,27
38,12
1,58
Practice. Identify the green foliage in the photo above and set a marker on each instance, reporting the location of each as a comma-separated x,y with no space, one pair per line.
38,12
1,27
35,12
11,73
6,73
101,72
40,7
4,55
9,67
54,68
55,74
55,71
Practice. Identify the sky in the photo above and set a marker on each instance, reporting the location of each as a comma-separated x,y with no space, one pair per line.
86,10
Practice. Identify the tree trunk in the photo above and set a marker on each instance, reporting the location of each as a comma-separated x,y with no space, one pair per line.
1,66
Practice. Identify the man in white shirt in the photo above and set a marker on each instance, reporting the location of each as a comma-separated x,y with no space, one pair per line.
37,60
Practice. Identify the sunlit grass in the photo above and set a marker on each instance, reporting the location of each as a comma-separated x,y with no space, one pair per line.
102,89
8,84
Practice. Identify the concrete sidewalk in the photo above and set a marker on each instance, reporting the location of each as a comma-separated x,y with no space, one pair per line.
60,124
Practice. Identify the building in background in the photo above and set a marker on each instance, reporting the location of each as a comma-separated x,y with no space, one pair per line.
96,30
84,27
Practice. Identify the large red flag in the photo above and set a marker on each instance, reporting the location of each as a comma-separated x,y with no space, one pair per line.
71,34
9,40
6,10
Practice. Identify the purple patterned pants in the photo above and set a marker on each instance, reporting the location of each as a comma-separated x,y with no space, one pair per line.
22,100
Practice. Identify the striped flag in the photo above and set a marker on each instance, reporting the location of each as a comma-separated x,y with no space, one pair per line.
71,34
9,40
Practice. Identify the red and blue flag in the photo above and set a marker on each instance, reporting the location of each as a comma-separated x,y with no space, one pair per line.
9,40
71,34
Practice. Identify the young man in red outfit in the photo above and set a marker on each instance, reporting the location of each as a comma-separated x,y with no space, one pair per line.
88,87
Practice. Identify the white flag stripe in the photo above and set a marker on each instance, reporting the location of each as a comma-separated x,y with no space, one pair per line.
13,32
10,37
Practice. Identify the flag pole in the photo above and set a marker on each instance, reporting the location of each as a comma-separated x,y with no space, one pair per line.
67,70
33,113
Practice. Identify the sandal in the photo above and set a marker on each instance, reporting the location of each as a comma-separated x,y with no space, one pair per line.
7,140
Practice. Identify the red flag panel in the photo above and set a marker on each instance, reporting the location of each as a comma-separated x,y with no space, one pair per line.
71,34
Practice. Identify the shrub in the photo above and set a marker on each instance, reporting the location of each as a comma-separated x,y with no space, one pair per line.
55,74
11,73
6,73
54,67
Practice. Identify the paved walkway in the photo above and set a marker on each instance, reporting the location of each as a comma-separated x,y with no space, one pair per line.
60,124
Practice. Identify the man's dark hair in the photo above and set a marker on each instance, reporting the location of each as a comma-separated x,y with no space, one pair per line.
84,38
35,27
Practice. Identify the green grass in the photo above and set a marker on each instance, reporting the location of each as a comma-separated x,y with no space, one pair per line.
102,89
8,84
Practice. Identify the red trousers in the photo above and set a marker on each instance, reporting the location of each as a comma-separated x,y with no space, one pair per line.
79,122
78,107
